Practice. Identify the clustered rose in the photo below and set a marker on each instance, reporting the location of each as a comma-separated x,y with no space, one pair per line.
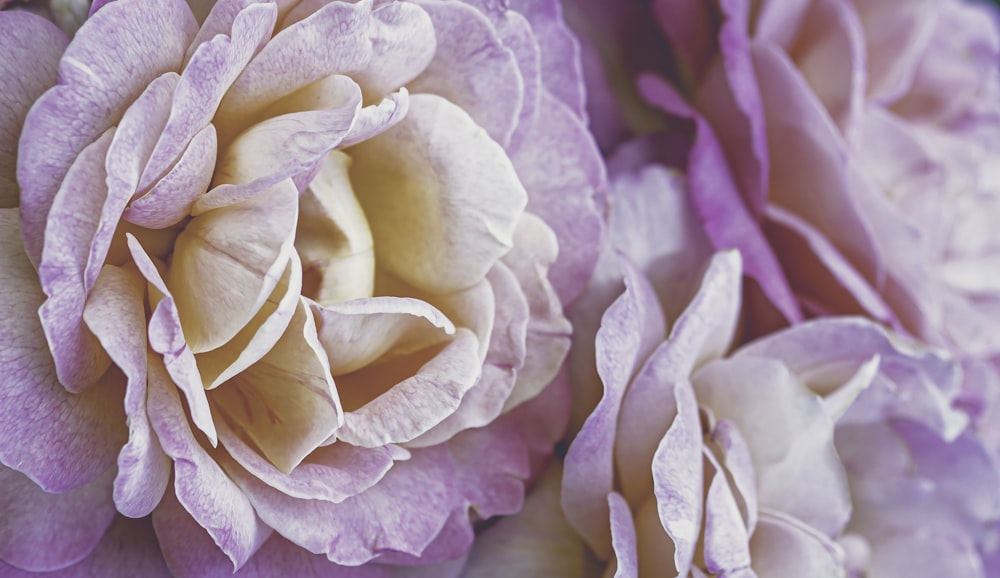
286,276
320,287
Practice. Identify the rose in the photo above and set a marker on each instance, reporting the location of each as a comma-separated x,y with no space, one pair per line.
316,309
858,140
827,448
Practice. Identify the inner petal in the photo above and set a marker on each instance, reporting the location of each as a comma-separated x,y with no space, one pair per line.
333,237
442,197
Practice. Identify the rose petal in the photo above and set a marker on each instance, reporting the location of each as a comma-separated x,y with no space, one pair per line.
74,220
333,237
535,542
560,166
200,485
402,513
268,77
403,45
259,335
286,403
332,473
789,435
726,537
623,540
785,548
208,74
60,440
630,328
96,86
45,531
442,205
472,69
28,43
222,271
116,316
167,338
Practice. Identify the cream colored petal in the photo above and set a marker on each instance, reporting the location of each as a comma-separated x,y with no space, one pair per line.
357,333
442,197
259,335
333,237
285,403
228,261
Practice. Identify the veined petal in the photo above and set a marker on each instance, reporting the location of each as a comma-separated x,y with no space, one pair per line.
286,403
28,43
97,83
60,440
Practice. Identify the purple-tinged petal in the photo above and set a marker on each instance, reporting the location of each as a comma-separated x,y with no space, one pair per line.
561,169
783,547
218,255
170,200
285,404
45,531
547,339
357,333
331,473
730,99
630,329
926,554
452,542
823,286
472,69
904,31
623,540
689,27
73,220
336,39
167,338
442,198
214,501
128,548
724,215
726,536
207,75
678,478
402,513
96,84
535,542
789,434
702,332
116,315
279,557
738,462
60,440
430,395
188,549
559,50
28,43
403,45
492,466
809,154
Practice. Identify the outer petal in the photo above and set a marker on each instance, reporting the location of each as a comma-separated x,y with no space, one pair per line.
38,413
128,548
28,43
200,485
96,86
536,542
784,548
45,531
560,167
403,45
631,327
116,316
472,69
